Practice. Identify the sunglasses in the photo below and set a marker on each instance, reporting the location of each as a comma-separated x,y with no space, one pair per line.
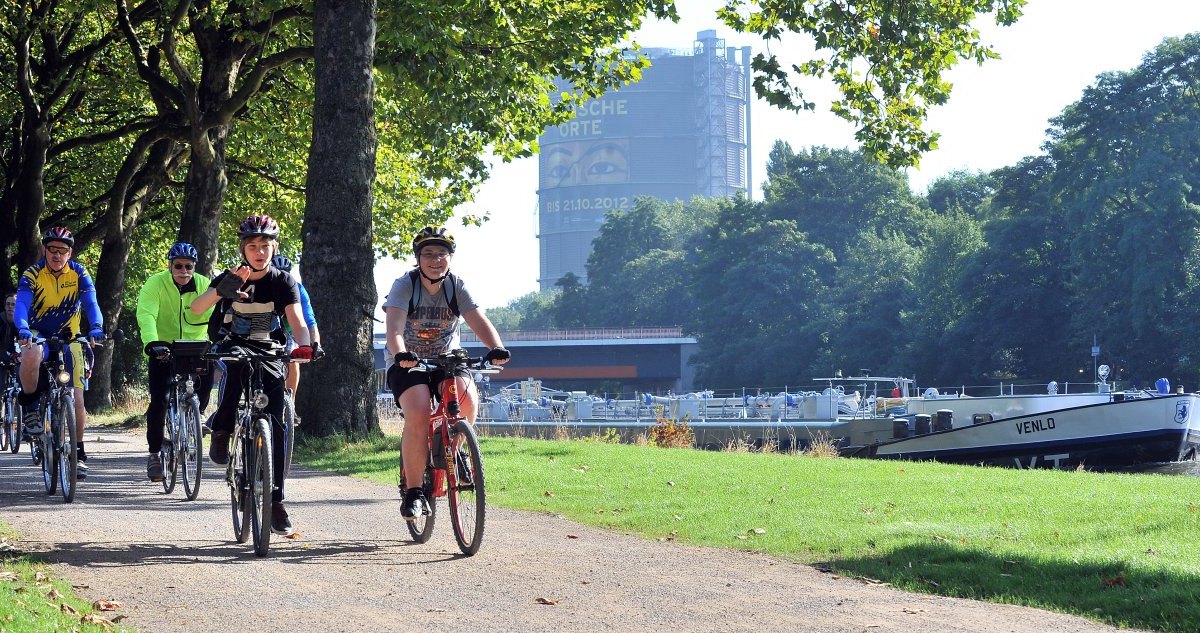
183,266
58,251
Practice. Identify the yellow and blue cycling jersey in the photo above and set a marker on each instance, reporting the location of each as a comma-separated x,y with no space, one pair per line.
51,303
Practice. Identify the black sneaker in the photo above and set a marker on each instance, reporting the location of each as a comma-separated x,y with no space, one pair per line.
462,468
81,470
154,467
218,448
33,423
280,524
414,504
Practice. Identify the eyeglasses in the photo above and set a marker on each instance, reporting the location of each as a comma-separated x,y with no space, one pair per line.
183,266
433,256
53,250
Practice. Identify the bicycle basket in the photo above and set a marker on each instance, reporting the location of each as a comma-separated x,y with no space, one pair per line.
188,356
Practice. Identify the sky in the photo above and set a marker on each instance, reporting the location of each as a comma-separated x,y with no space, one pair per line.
997,114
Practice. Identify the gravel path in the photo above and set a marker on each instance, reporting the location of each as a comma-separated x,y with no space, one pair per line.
175,567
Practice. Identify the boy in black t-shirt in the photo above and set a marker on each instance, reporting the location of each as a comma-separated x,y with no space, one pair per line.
253,297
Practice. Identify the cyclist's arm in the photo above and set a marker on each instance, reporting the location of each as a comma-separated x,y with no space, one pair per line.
394,318
310,318
205,301
296,320
87,296
24,302
147,313
483,328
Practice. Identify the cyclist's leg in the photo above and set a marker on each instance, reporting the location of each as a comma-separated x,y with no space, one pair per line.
414,402
204,388
468,397
159,374
222,421
273,388
30,379
79,369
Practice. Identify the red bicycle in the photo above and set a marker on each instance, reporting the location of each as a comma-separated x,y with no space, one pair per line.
454,468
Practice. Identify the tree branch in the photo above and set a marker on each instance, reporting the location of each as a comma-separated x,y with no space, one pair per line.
252,84
265,175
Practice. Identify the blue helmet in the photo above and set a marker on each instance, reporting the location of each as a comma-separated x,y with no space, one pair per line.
282,263
184,250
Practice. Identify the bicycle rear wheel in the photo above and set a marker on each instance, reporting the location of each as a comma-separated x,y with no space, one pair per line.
465,489
68,458
12,426
421,528
191,448
262,480
238,478
167,453
289,432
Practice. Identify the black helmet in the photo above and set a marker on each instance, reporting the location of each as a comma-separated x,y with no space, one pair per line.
432,235
59,234
258,225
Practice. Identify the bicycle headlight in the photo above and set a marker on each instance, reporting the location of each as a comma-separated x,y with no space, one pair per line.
260,401
63,377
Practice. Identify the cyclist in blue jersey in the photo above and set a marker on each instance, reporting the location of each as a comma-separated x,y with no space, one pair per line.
50,296
292,382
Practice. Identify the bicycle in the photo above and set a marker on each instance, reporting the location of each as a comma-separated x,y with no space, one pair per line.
55,449
10,416
454,466
183,439
290,422
250,471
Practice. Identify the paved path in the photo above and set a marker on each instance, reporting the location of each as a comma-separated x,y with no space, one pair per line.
175,567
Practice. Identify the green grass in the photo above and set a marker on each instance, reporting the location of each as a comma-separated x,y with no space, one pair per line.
1118,548
31,600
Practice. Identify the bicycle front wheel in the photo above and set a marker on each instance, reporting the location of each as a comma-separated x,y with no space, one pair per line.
238,479
68,458
5,416
12,426
465,489
191,448
262,481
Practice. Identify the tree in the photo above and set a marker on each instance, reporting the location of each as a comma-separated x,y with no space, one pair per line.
886,58
1127,159
338,227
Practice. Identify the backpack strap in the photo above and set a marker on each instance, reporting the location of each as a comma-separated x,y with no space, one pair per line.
447,287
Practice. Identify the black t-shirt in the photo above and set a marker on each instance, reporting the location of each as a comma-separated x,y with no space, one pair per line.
256,318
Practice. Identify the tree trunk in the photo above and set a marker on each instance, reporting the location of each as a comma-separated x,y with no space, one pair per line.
135,186
340,392
204,196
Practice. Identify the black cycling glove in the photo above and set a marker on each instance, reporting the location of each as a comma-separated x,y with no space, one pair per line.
229,286
158,349
497,353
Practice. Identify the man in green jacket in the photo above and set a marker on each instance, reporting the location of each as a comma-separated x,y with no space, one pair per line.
163,316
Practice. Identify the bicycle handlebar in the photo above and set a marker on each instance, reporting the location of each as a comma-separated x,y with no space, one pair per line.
244,356
452,361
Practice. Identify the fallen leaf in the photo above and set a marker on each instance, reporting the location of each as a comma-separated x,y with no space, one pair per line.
757,531
92,618
294,536
912,610
742,537
545,601
53,594
572,536
39,577
670,483
107,605
7,575
678,518
1118,581
547,494
66,608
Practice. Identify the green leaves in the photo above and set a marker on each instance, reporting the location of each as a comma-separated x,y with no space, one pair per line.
886,58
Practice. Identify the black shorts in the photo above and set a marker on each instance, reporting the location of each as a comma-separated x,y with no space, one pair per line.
400,379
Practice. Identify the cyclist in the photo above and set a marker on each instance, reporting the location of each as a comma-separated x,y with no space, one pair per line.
8,341
422,312
292,382
253,297
49,297
163,315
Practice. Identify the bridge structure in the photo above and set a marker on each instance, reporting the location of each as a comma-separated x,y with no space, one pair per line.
614,360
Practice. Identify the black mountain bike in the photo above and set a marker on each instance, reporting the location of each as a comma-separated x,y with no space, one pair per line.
250,472
55,448
183,441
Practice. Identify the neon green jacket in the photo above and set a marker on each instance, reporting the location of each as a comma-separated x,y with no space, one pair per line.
163,312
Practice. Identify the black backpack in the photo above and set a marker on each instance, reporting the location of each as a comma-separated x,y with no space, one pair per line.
447,286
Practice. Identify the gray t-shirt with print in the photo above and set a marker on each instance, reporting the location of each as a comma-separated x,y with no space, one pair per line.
432,328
